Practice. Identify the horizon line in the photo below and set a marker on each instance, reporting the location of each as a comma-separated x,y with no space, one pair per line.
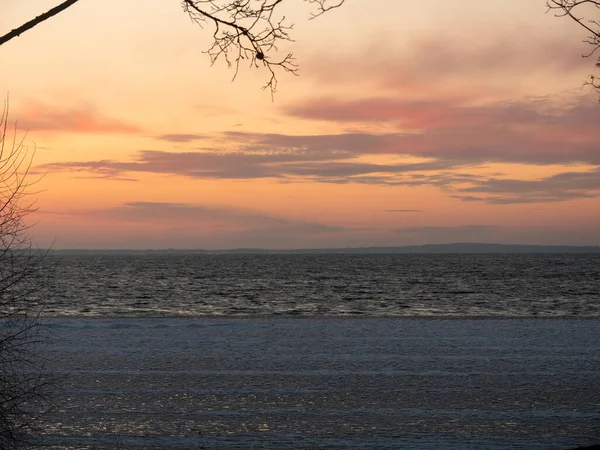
337,249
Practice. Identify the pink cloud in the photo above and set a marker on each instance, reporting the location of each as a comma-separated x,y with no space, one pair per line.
83,119
526,131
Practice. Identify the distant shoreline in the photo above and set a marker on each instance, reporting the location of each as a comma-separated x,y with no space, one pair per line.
455,248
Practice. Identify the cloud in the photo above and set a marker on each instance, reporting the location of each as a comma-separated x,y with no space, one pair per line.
180,137
83,119
305,147
318,158
432,94
449,138
436,66
339,159
221,217
418,115
533,132
544,138
559,187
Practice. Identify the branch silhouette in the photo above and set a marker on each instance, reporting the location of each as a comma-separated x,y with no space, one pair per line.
243,30
36,21
575,10
23,278
250,30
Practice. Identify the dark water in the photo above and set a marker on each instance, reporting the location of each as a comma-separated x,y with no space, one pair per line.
368,383
324,351
510,285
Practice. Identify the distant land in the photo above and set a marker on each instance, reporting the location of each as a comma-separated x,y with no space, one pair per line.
420,249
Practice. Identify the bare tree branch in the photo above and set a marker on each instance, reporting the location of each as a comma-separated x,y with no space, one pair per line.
39,19
250,30
243,30
575,10
23,276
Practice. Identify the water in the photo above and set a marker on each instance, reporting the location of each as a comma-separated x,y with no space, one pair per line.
324,351
371,383
326,285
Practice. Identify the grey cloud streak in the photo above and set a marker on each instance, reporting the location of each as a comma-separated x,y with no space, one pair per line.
269,156
183,138
563,186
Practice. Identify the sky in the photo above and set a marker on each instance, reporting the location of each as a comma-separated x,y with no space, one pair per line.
409,123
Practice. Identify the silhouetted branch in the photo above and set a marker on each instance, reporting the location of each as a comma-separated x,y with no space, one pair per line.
250,30
22,277
39,19
575,10
243,29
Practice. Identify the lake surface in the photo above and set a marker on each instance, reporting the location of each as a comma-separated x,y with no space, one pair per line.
150,285
371,383
324,351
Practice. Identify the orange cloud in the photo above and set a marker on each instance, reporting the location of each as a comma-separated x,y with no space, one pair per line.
84,119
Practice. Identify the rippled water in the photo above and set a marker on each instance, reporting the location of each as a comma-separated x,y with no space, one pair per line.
323,351
325,285
326,383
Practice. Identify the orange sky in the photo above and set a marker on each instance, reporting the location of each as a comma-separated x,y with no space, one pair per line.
410,123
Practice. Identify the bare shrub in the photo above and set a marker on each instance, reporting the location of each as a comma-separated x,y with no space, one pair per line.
22,278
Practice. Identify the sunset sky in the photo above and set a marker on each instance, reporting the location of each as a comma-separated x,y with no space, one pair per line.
430,121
